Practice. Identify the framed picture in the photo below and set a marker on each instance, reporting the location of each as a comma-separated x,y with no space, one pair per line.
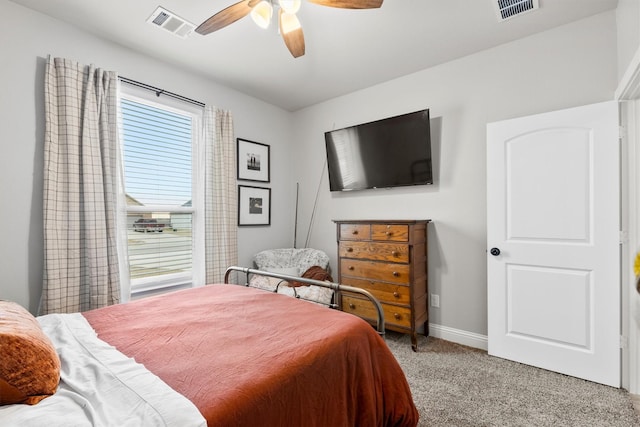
254,205
253,161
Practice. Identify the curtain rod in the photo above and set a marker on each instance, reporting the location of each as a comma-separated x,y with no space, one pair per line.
159,91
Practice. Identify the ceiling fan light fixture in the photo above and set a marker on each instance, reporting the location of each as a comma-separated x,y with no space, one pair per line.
290,29
261,14
290,6
289,22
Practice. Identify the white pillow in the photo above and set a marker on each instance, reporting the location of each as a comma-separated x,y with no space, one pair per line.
271,283
268,283
311,293
315,293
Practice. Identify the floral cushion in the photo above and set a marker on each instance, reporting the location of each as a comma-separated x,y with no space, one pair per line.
302,259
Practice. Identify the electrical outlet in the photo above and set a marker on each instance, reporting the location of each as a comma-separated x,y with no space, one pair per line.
435,300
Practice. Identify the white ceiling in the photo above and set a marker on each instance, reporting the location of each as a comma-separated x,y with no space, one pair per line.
346,50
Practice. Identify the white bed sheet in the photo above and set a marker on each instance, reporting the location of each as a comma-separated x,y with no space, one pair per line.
100,386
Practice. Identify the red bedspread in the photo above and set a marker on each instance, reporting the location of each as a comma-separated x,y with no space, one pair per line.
246,357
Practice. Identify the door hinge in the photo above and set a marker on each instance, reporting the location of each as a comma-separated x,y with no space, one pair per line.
624,342
622,132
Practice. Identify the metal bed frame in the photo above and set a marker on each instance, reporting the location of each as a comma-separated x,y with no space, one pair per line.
380,327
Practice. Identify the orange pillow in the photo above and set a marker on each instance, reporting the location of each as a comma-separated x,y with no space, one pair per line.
316,273
29,364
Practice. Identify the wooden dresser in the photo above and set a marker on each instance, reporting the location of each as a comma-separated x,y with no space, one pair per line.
389,259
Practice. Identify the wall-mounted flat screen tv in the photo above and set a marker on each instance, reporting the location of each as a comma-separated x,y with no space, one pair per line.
391,152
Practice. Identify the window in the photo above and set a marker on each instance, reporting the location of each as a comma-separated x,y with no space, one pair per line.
160,146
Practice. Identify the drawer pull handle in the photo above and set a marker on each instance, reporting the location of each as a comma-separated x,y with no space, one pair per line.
397,295
354,232
394,253
349,249
351,267
388,233
352,306
397,316
395,274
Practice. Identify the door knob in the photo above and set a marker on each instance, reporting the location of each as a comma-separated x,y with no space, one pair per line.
494,251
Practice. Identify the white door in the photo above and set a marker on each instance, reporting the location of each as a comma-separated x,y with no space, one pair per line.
553,237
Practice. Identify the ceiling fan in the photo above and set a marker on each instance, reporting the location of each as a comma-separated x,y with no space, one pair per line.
290,27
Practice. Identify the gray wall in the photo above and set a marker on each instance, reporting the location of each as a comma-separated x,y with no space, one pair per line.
27,38
572,65
565,67
628,25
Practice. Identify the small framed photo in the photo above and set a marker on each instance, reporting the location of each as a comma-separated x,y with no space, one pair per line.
253,161
254,205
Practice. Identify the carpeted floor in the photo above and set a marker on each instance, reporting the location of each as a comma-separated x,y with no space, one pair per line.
456,386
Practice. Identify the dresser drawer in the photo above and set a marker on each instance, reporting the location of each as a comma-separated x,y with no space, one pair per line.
395,252
393,315
385,292
385,271
355,232
390,232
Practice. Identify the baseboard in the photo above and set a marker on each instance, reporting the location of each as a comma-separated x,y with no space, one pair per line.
459,336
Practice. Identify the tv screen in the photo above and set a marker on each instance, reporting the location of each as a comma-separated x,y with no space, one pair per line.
391,152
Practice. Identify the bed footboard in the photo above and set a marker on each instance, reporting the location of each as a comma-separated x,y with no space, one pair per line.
380,327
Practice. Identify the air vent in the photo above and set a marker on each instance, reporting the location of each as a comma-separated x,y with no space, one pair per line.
507,9
171,22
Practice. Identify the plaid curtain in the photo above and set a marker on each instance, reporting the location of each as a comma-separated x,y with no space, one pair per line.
80,188
221,195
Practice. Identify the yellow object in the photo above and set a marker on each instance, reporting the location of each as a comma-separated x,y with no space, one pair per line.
636,266
261,14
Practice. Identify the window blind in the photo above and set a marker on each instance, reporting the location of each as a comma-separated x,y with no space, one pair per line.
158,183
157,153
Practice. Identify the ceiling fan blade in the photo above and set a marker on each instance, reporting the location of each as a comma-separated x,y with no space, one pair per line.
293,38
225,17
295,42
350,4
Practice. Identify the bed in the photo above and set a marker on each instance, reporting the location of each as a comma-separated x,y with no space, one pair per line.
224,355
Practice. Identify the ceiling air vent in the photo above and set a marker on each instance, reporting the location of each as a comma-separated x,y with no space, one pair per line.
171,22
507,9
